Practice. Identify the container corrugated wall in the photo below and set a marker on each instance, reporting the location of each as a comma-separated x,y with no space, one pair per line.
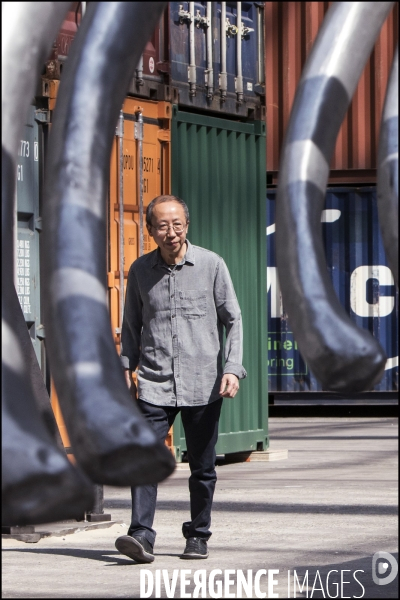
362,280
218,169
290,31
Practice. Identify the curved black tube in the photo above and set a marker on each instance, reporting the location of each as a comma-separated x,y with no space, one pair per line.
343,357
39,484
388,171
110,438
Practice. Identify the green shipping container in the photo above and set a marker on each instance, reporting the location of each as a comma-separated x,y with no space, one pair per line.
218,168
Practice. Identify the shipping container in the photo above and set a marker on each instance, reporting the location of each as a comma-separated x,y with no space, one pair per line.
138,158
28,275
29,226
63,41
362,280
290,31
218,169
188,61
216,57
139,171
151,78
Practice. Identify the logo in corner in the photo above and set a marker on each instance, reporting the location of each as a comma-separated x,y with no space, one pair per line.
380,566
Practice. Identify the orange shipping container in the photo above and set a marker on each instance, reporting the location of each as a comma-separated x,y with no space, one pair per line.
290,31
155,172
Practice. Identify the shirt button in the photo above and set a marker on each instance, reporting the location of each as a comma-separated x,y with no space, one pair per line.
173,316
174,336
172,274
172,295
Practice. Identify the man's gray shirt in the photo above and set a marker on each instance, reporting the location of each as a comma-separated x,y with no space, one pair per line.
173,328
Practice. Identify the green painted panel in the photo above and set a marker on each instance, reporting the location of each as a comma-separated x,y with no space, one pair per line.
218,168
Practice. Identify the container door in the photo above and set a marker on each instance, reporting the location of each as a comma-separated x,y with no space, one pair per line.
28,229
231,63
155,174
218,168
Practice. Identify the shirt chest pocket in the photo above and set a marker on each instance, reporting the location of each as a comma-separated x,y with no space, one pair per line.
193,304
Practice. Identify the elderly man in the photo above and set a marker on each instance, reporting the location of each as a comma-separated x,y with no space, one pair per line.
179,299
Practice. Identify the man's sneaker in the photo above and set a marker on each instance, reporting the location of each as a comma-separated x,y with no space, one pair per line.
137,548
195,548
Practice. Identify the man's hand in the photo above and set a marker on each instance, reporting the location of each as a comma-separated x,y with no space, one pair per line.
229,386
130,383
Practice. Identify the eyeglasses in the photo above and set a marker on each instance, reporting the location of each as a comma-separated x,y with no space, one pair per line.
177,227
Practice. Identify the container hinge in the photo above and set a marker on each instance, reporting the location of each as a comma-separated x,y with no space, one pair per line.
184,15
201,21
42,115
245,30
41,332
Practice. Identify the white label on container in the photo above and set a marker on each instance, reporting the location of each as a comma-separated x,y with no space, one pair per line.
35,151
151,64
249,86
23,269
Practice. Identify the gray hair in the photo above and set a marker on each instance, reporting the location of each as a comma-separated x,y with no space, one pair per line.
165,198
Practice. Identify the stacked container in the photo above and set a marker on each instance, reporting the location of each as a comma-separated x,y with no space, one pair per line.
192,121
207,56
354,252
203,60
290,32
362,280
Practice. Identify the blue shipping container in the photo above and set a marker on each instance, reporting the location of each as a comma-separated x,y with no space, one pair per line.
362,280
249,33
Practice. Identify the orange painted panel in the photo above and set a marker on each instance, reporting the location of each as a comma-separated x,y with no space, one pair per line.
156,181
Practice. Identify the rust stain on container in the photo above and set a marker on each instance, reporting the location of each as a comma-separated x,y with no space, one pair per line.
290,31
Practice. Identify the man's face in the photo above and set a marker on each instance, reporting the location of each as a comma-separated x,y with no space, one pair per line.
168,216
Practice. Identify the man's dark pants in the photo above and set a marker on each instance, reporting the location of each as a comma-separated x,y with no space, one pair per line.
201,431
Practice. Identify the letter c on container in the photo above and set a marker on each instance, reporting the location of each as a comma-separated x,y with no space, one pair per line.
358,291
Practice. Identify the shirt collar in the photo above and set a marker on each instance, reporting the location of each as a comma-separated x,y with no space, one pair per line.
189,256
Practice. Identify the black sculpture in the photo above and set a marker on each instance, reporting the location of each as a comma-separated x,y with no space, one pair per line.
110,439
343,357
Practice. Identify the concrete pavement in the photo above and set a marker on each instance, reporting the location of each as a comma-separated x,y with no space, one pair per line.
328,508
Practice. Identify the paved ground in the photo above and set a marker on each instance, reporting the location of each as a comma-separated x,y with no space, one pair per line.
329,507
